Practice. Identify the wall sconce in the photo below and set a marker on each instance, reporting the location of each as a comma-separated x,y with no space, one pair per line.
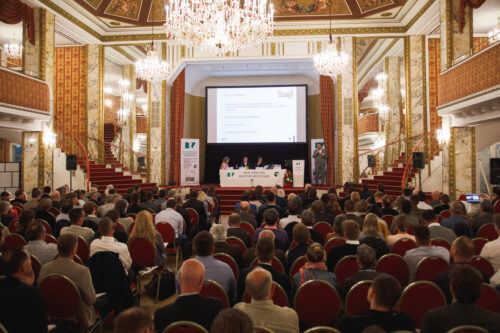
49,137
443,136
108,103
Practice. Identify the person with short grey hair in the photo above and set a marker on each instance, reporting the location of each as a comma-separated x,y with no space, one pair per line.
262,311
485,216
5,213
219,233
456,221
366,259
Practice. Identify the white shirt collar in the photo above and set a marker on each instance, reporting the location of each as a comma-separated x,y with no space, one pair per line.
352,242
434,224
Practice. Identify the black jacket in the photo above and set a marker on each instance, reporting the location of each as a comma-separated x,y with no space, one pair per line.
389,321
338,252
200,209
241,234
278,277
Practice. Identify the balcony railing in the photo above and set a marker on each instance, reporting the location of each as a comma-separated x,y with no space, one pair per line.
368,123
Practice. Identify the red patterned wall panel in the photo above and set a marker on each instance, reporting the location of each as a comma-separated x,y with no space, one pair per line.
141,124
368,123
17,89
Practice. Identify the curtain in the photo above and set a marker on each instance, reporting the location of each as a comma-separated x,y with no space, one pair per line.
327,121
4,150
473,4
14,11
141,84
176,126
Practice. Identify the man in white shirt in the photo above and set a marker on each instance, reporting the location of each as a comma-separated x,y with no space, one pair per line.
293,209
37,246
171,216
108,243
76,220
421,201
491,250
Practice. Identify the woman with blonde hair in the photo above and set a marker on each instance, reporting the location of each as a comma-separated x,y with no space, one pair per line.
145,228
372,236
355,197
314,268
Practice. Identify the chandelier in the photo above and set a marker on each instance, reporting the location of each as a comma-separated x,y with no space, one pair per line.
152,68
379,97
219,26
331,61
126,102
13,50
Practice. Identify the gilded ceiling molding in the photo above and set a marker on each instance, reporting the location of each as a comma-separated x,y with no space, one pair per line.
473,158
41,160
355,111
451,166
383,54
162,120
339,129
148,134
123,53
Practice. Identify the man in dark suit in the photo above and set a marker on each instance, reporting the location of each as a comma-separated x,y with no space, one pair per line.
219,233
260,162
466,286
21,308
382,296
234,229
189,306
200,209
366,260
265,253
318,208
462,251
246,215
244,163
351,234
456,221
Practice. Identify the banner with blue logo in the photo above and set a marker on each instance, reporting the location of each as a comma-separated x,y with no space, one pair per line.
190,162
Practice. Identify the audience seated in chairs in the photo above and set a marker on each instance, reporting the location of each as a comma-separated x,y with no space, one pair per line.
437,231
302,239
79,274
232,321
43,212
491,250
76,228
382,296
314,268
456,221
424,249
148,202
62,220
111,200
120,235
308,219
466,286
234,230
401,230
271,219
366,259
247,214
462,251
21,307
265,253
318,209
90,220
199,207
351,234
26,218
171,216
350,213
219,234
387,209
251,253
269,204
262,311
294,208
37,245
372,236
19,196
337,227
485,215
190,305
444,205
134,320
5,213
35,197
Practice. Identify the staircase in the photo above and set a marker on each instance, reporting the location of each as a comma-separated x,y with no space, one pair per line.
112,171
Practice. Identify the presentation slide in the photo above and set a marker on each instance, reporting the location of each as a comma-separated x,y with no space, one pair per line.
256,114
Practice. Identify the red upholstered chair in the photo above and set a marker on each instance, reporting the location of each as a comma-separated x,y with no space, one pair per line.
276,264
279,297
462,197
193,215
324,227
210,208
230,261
345,268
18,206
36,265
429,267
388,219
468,329
185,327
332,242
439,218
54,211
132,226
14,241
317,303
119,226
322,329
487,231
483,264
441,242
60,298
132,216
49,239
395,265
496,208
12,225
355,301
403,245
248,228
142,253
297,264
83,250
419,297
46,226
478,244
213,289
445,213
167,232
237,241
490,298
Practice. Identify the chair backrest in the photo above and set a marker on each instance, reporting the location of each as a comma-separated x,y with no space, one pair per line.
230,261
237,241
322,329
213,289
54,211
18,205
46,226
478,244
462,197
275,263
355,301
419,297
14,241
209,206
119,226
395,265
490,298
429,267
60,296
445,213
324,227
83,250
132,216
49,239
441,242
388,219
332,242
36,265
297,264
279,297
185,327
166,231
403,245
142,252
317,303
12,225
483,264
487,231
468,329
345,268
193,215
248,228
439,218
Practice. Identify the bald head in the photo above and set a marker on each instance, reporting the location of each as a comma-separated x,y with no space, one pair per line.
259,284
191,276
267,234
244,206
435,195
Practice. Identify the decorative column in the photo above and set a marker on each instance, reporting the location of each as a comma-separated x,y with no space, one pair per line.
453,42
31,142
355,111
392,124
154,135
31,53
163,123
95,105
129,131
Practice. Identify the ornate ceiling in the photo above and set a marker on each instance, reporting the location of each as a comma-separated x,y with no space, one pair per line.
142,12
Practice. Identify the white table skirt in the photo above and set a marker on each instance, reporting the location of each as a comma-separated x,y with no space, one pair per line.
251,178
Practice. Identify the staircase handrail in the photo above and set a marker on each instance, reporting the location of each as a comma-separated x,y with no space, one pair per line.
409,161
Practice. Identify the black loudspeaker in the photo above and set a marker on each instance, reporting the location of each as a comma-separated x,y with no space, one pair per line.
495,171
418,160
142,161
372,162
70,162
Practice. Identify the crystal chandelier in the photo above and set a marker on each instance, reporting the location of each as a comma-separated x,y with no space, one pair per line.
14,49
331,61
126,102
378,96
219,26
